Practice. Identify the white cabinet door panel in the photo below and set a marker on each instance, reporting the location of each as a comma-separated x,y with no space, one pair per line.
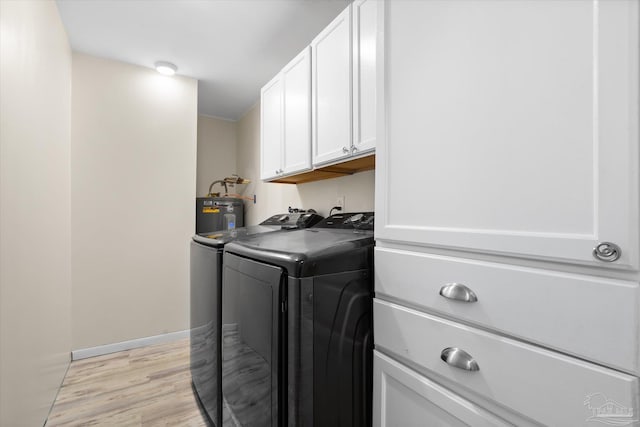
296,77
510,127
402,397
331,75
271,129
365,24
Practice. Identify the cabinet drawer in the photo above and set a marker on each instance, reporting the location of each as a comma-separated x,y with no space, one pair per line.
402,397
547,387
591,317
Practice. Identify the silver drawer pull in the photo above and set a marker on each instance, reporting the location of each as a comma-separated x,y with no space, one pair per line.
458,292
459,359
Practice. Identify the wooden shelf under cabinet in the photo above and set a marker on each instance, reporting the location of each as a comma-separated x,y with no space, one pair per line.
334,171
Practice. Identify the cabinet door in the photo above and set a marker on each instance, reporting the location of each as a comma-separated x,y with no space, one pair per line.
331,85
402,397
364,75
296,79
271,129
510,127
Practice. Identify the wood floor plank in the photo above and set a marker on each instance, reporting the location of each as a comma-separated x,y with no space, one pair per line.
148,386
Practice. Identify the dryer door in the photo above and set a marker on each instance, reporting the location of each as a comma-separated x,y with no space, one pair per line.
206,277
253,309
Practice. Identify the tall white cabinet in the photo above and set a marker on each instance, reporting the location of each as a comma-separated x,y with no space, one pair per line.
365,32
344,85
271,119
332,90
296,93
285,125
507,198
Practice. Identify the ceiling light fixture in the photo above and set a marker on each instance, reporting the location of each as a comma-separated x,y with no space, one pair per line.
166,68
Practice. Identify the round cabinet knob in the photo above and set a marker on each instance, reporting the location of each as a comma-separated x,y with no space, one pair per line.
345,150
607,252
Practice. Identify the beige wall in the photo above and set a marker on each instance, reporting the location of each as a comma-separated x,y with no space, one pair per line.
358,189
35,282
133,155
216,152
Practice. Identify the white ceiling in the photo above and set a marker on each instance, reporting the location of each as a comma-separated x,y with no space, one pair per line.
233,47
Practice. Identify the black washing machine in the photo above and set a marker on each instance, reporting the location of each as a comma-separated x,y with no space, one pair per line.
297,326
205,283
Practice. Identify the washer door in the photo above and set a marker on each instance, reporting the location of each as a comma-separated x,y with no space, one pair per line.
253,309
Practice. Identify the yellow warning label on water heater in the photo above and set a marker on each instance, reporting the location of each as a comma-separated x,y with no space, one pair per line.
208,209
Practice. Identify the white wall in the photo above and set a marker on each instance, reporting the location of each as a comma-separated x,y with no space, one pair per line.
133,155
216,152
35,277
358,189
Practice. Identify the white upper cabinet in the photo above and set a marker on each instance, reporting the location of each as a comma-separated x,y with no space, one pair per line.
296,79
331,83
286,120
271,128
509,127
344,85
321,108
365,24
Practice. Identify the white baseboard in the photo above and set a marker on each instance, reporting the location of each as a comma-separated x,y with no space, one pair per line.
84,353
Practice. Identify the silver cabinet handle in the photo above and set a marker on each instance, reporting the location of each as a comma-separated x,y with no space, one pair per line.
354,149
458,292
459,359
345,150
607,252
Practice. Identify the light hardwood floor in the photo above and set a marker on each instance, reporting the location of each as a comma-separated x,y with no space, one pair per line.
148,386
